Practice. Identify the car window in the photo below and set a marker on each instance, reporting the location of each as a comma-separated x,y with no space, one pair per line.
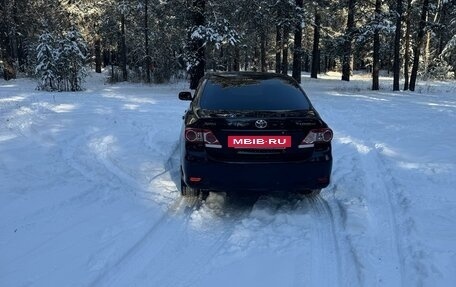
252,94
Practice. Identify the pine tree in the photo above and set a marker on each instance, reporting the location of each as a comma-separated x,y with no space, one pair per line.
46,69
253,34
70,60
61,62
198,61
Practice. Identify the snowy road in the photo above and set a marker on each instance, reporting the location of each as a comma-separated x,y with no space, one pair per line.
88,194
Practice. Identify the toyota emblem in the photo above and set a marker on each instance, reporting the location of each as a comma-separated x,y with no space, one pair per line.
261,124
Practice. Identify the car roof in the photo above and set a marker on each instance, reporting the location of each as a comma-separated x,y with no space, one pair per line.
257,76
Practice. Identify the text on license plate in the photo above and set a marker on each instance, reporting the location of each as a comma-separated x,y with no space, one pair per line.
259,141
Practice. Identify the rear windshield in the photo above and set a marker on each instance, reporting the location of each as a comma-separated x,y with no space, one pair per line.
252,94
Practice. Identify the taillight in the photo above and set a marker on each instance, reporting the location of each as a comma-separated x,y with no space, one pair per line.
210,140
193,135
317,136
202,136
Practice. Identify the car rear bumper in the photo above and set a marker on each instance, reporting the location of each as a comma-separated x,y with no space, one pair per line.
270,176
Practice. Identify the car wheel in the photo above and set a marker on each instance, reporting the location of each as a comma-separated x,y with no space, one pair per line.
313,192
310,192
189,191
204,194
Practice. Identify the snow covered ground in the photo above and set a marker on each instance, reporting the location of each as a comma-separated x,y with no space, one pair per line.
88,194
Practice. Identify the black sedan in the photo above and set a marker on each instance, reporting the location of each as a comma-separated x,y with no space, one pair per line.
248,131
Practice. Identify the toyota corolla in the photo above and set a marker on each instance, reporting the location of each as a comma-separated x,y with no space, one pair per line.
248,131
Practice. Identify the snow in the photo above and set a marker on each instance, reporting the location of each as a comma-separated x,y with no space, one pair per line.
88,194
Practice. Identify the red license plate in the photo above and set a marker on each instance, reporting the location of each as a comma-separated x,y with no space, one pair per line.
259,141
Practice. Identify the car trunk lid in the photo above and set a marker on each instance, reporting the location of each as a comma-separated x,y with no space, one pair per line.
260,135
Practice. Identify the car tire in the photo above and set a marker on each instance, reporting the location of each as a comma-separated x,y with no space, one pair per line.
313,192
310,192
189,191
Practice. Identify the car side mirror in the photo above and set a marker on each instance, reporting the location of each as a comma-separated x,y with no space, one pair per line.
185,96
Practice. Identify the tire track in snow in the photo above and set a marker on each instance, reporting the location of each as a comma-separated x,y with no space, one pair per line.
104,168
101,168
377,246
350,264
289,224
172,255
133,256
142,250
79,162
161,236
414,256
381,193
197,248
325,252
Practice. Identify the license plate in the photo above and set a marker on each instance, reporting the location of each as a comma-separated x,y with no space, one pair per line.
259,141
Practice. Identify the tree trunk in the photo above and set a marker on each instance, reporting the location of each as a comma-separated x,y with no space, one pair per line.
246,61
7,40
315,48
297,51
278,49
375,63
264,67
124,48
97,54
286,34
441,29
306,63
326,64
427,49
14,37
146,40
111,61
407,46
197,45
255,58
397,46
418,44
347,49
236,59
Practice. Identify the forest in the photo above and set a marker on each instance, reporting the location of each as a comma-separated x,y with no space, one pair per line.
155,41
93,136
